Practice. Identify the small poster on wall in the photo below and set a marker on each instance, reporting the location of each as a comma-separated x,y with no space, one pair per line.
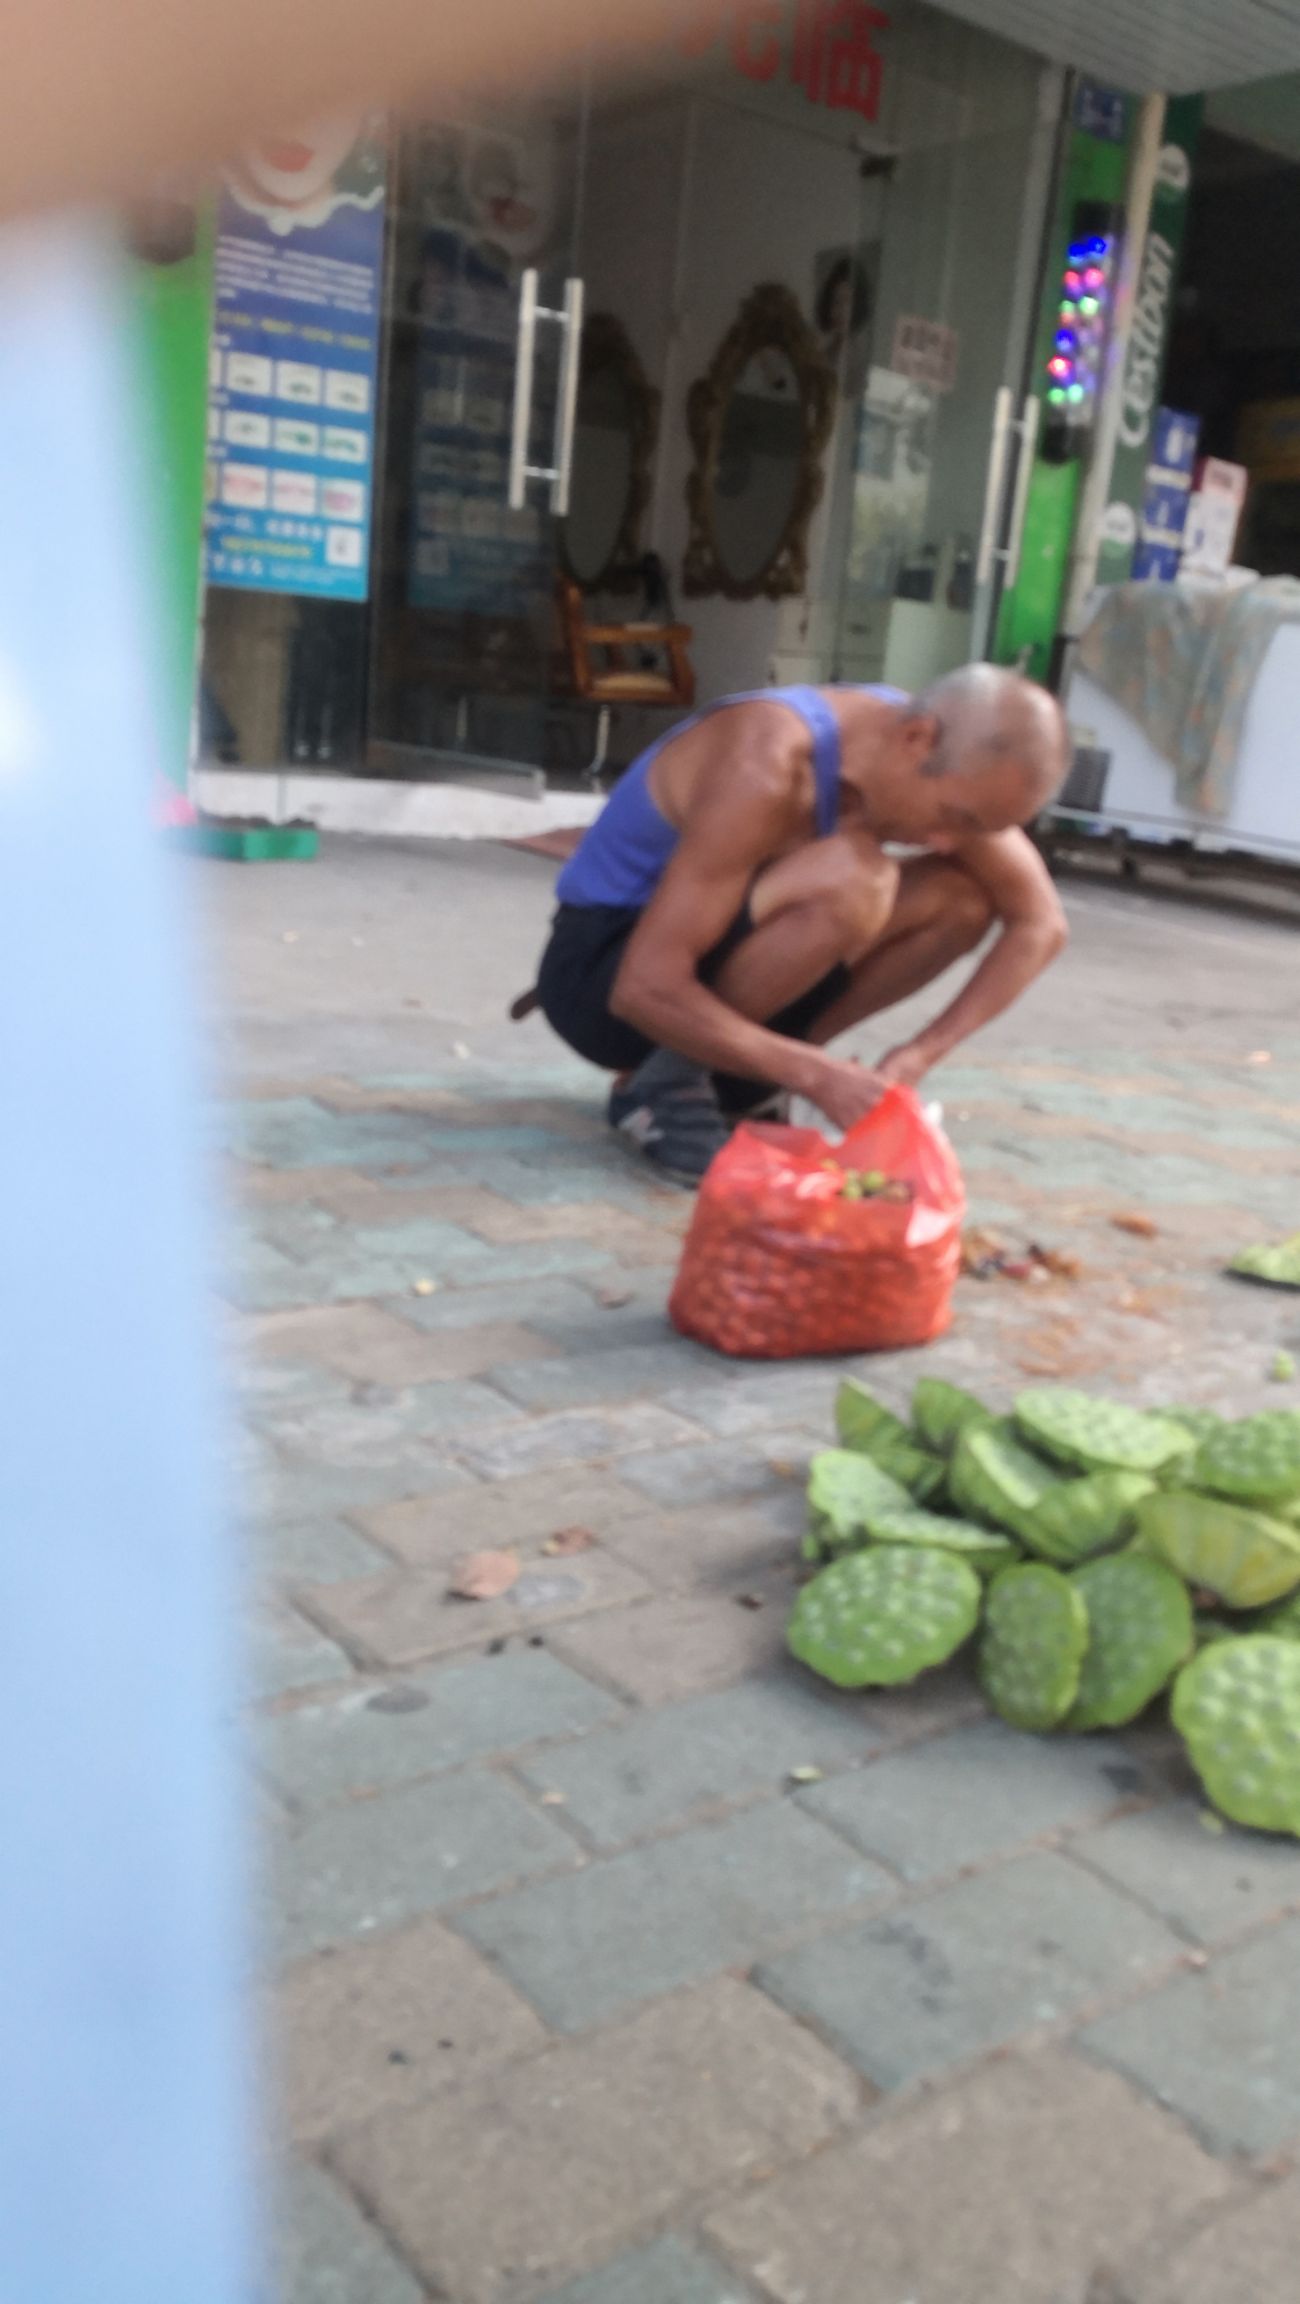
844,299
295,347
925,351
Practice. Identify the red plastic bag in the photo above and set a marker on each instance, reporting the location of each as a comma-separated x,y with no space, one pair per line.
777,1263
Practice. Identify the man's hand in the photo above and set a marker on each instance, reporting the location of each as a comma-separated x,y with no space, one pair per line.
904,1066
845,1092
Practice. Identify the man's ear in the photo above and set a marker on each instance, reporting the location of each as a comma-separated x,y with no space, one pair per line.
920,737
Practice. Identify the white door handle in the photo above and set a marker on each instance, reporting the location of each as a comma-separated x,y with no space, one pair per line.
994,480
1028,430
521,421
566,403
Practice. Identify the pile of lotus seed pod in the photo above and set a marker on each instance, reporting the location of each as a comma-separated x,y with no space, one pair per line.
1101,1554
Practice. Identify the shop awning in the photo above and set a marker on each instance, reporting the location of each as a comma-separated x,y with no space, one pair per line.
1177,46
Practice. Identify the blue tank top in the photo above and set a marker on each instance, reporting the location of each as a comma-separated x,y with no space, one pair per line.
626,852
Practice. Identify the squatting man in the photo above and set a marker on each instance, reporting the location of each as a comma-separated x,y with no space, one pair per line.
736,908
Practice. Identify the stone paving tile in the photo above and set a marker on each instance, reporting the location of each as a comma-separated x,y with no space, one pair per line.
945,1977
689,1478
407,1617
512,2184
384,2024
549,1307
254,1382
369,1345
320,1551
1208,1884
297,1228
980,1792
284,1652
669,2271
296,1132
376,1433
433,1531
330,2254
629,1237
427,1722
660,1650
661,1768
586,1947
1249,2253
619,1373
373,1864
1017,2187
303,1490
797,1394
715,1547
576,1437
1219,2047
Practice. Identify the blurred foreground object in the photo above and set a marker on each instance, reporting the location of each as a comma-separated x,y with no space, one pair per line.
98,95
122,2133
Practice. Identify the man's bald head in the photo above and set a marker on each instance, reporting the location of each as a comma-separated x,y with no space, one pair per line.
988,719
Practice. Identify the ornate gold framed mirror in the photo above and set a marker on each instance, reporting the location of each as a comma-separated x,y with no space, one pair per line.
615,431
759,422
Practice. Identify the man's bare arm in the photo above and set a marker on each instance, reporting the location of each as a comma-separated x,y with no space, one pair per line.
746,813
1032,931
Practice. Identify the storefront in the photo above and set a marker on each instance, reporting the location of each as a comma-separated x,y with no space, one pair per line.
783,288
764,345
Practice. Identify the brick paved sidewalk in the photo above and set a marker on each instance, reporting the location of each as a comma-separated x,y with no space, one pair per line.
586,1993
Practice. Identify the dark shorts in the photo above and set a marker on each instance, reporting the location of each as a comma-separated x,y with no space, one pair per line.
583,958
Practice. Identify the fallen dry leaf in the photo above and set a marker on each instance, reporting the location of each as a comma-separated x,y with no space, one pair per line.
567,1540
749,1600
1142,1227
1058,1262
484,1575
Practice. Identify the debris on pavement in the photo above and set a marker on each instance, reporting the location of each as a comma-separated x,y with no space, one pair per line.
1276,1262
1283,1367
1132,1220
484,1575
566,1541
986,1255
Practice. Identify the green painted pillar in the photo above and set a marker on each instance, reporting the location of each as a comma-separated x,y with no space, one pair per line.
1095,168
169,299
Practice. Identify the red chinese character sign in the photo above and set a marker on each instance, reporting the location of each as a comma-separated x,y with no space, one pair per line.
825,47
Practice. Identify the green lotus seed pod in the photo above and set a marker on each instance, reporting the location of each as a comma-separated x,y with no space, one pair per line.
1076,1518
942,1412
842,1489
866,1426
992,1477
985,1550
1035,1637
1200,1422
1276,1261
877,1618
1139,1632
1254,1460
1098,1435
1244,1557
1237,1708
861,1419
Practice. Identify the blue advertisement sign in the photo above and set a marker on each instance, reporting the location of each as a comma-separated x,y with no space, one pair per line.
295,352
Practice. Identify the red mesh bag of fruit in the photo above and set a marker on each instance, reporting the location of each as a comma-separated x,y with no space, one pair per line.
799,1245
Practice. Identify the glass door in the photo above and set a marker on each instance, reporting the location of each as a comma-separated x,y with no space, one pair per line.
945,431
484,322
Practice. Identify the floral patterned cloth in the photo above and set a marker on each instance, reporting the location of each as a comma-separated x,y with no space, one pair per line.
1182,659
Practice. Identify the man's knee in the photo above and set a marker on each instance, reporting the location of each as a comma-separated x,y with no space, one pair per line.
860,886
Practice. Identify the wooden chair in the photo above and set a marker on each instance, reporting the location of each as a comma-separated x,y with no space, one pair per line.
604,665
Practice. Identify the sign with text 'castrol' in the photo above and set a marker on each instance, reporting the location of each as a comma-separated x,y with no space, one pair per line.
1144,361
